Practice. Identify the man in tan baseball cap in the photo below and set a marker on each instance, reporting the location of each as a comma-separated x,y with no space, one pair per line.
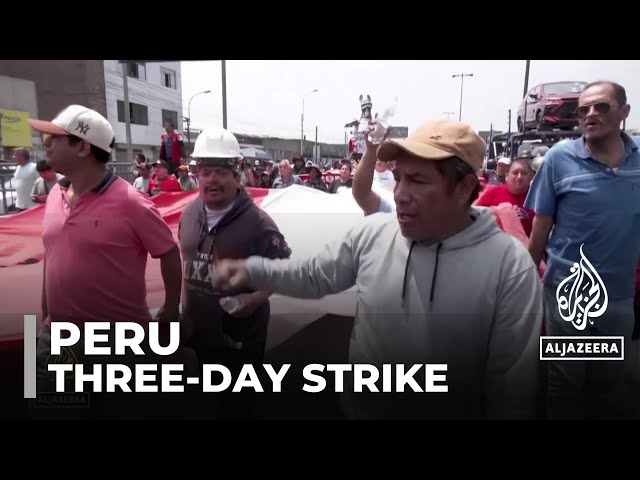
439,140
437,283
453,143
435,167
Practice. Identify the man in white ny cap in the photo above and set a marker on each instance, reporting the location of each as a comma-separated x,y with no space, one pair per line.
98,232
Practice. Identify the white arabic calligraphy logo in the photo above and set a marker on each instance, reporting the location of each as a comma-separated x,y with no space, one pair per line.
582,296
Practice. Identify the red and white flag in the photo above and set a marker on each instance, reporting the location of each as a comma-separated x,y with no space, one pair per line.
308,219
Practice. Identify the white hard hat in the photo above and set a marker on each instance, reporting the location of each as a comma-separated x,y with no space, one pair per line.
536,163
216,142
541,150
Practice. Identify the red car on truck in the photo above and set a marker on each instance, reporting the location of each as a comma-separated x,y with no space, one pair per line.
550,105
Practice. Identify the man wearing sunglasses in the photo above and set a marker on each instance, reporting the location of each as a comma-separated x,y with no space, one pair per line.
586,197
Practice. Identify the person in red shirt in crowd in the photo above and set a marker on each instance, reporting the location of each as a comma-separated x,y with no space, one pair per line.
172,149
514,191
161,181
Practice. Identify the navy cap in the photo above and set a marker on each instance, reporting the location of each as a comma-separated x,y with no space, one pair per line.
162,163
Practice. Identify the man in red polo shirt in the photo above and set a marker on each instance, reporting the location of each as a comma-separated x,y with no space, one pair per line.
98,232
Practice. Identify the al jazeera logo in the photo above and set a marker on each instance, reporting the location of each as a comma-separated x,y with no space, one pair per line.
582,299
67,356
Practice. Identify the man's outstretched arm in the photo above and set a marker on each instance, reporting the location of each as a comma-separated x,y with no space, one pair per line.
332,270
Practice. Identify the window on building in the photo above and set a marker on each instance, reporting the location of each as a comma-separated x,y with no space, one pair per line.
170,116
137,70
138,113
168,78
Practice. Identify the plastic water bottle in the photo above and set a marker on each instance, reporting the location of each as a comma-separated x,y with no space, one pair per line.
229,304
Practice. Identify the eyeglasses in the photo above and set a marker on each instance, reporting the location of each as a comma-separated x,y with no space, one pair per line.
600,107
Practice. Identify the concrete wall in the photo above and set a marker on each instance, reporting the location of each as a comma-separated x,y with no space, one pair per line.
60,83
149,92
20,95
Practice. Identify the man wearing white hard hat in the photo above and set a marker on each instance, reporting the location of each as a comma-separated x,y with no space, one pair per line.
224,222
98,232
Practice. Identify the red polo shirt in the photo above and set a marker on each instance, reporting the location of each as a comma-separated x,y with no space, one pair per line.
96,252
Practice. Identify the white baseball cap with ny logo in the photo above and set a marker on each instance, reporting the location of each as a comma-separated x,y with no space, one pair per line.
82,122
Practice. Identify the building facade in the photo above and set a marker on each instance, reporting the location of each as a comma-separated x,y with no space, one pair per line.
18,103
155,97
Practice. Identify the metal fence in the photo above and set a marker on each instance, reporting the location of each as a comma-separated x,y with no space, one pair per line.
123,170
8,184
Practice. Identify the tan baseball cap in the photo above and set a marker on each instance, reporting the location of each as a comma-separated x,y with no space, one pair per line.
439,140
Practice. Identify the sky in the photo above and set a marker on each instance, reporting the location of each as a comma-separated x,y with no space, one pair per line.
265,97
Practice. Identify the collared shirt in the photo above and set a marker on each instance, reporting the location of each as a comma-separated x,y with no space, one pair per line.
96,252
168,148
280,183
43,188
594,206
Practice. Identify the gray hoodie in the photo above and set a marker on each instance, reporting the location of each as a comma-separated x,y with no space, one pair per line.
473,301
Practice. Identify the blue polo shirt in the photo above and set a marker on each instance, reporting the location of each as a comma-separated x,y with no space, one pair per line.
592,205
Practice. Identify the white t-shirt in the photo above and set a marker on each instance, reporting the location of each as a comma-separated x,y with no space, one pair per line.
384,179
386,205
141,184
214,216
24,178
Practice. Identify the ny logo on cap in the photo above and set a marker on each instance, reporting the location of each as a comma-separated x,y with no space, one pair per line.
82,128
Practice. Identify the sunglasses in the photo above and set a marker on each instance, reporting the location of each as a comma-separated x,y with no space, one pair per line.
600,107
47,136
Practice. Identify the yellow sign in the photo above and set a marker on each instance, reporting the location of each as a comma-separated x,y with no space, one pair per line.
16,131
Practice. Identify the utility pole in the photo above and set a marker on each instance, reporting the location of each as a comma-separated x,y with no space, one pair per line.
302,124
315,150
346,145
224,94
526,78
127,109
461,75
449,114
526,96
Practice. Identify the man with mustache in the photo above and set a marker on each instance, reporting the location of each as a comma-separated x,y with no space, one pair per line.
224,222
586,197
